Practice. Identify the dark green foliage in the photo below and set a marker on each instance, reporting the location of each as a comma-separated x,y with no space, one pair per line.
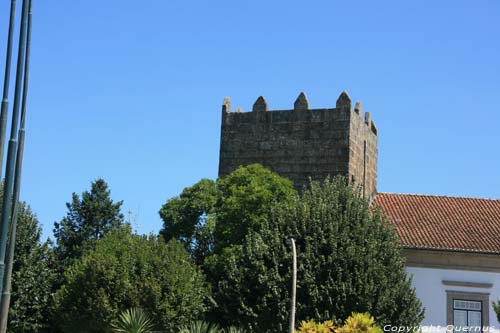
126,270
250,284
348,261
496,307
245,200
205,327
32,276
210,216
88,219
200,327
182,218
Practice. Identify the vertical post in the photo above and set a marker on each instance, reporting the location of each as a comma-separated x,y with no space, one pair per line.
7,282
364,169
12,150
6,81
294,287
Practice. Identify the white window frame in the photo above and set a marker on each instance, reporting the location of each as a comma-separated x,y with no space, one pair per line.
483,298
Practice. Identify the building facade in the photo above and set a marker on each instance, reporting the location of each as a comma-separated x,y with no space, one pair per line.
452,250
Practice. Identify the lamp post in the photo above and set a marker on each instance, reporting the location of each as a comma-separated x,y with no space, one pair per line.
5,99
15,151
294,286
7,282
12,147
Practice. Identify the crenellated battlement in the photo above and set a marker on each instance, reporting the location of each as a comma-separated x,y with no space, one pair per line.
302,143
343,105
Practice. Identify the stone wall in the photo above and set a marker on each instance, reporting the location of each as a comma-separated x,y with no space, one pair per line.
363,143
301,143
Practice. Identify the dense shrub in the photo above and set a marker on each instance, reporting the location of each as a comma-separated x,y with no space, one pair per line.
127,270
311,326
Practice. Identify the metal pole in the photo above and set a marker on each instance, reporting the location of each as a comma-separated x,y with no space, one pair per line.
364,169
12,150
294,287
6,81
7,283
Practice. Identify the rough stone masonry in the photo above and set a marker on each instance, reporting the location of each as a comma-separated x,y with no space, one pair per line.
302,143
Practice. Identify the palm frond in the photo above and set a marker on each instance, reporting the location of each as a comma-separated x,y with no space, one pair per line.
200,327
133,320
233,329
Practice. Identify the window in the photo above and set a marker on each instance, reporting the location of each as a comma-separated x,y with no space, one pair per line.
467,315
468,312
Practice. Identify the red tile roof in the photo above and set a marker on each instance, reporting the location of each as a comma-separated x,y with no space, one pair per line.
444,223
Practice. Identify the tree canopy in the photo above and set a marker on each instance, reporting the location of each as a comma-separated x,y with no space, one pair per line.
88,219
236,230
125,271
246,197
32,276
348,261
183,215
210,216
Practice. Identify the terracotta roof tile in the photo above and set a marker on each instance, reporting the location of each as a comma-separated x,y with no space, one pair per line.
444,223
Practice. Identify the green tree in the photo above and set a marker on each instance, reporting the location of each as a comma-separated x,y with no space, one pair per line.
32,276
496,308
87,220
348,261
189,218
210,216
125,271
245,200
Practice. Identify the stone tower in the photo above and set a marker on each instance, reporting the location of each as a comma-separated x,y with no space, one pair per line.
302,143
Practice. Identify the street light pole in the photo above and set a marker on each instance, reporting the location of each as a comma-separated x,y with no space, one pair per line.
6,81
294,286
12,148
7,282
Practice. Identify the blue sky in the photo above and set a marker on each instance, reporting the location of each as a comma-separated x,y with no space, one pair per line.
131,91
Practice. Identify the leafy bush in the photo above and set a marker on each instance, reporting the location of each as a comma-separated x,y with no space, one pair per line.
127,270
356,323
359,323
313,327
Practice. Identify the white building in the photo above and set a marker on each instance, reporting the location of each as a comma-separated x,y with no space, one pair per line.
452,248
